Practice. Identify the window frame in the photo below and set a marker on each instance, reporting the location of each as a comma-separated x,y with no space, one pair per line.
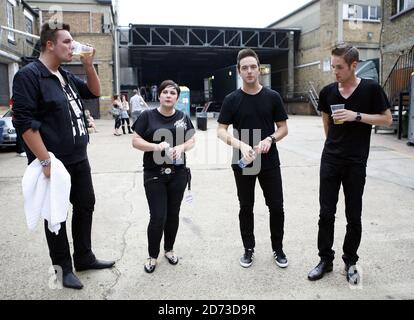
28,17
348,6
10,16
404,5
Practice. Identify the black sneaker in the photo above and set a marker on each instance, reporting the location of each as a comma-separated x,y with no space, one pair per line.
246,259
280,259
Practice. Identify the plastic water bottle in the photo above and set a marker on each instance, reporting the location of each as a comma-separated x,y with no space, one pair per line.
176,162
243,162
189,198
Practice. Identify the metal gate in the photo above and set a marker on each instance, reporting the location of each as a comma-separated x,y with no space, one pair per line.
4,85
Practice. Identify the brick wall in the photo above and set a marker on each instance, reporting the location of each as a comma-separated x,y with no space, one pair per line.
397,37
87,28
360,35
20,47
103,44
78,21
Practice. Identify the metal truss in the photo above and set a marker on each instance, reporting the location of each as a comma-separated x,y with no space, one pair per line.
197,37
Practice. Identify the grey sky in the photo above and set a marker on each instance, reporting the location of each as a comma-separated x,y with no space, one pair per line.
220,13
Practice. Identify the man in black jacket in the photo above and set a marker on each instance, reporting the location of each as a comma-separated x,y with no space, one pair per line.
49,114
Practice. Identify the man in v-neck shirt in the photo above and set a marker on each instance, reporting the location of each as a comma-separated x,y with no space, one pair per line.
345,155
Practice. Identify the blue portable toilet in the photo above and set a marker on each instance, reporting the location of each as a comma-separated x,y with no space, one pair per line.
183,103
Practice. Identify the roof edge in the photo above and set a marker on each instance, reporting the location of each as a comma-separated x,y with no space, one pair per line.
293,12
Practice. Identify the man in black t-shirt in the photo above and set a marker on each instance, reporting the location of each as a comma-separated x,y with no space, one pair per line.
360,103
253,111
49,114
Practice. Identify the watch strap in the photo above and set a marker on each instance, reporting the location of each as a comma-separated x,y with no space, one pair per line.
45,163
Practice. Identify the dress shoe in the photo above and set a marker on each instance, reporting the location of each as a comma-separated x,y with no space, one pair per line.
319,271
70,280
97,264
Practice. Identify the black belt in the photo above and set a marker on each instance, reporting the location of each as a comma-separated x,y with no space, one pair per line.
167,170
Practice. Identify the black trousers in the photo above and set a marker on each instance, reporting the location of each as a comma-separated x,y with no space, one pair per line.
271,183
164,195
118,122
352,178
82,197
125,120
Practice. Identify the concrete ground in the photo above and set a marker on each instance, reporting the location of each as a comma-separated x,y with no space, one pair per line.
208,240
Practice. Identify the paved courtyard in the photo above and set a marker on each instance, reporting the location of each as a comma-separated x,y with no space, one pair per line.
208,240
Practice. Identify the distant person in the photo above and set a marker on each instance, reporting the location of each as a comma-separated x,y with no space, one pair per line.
90,121
154,92
116,114
363,103
48,111
137,104
164,134
259,121
143,93
124,115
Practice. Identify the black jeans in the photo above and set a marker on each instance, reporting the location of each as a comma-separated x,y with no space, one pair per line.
117,122
164,195
271,183
82,197
352,178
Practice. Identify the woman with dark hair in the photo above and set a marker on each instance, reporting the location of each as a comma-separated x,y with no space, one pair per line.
164,134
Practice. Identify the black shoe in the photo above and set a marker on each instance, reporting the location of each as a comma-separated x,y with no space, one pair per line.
352,275
280,259
70,280
246,259
319,271
98,264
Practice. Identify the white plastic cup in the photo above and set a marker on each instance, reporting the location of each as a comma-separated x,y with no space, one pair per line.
81,49
336,107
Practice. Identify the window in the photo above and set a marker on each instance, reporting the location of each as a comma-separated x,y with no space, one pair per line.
28,25
10,18
362,12
404,5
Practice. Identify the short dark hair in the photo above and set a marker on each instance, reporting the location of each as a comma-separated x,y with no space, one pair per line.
246,53
48,33
348,52
168,83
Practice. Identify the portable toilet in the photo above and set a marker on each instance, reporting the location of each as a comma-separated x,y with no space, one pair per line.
183,103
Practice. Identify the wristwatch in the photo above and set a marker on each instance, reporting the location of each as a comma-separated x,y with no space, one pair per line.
272,138
45,163
358,117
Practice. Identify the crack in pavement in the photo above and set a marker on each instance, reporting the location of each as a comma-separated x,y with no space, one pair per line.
115,270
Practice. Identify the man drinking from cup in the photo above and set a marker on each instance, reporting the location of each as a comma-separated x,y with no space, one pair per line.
350,106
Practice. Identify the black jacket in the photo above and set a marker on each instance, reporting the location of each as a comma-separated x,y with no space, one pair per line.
39,103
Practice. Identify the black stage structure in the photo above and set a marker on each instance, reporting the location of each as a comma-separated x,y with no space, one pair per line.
189,54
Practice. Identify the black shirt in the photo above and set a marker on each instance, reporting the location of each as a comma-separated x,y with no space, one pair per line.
348,143
253,113
41,103
154,127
